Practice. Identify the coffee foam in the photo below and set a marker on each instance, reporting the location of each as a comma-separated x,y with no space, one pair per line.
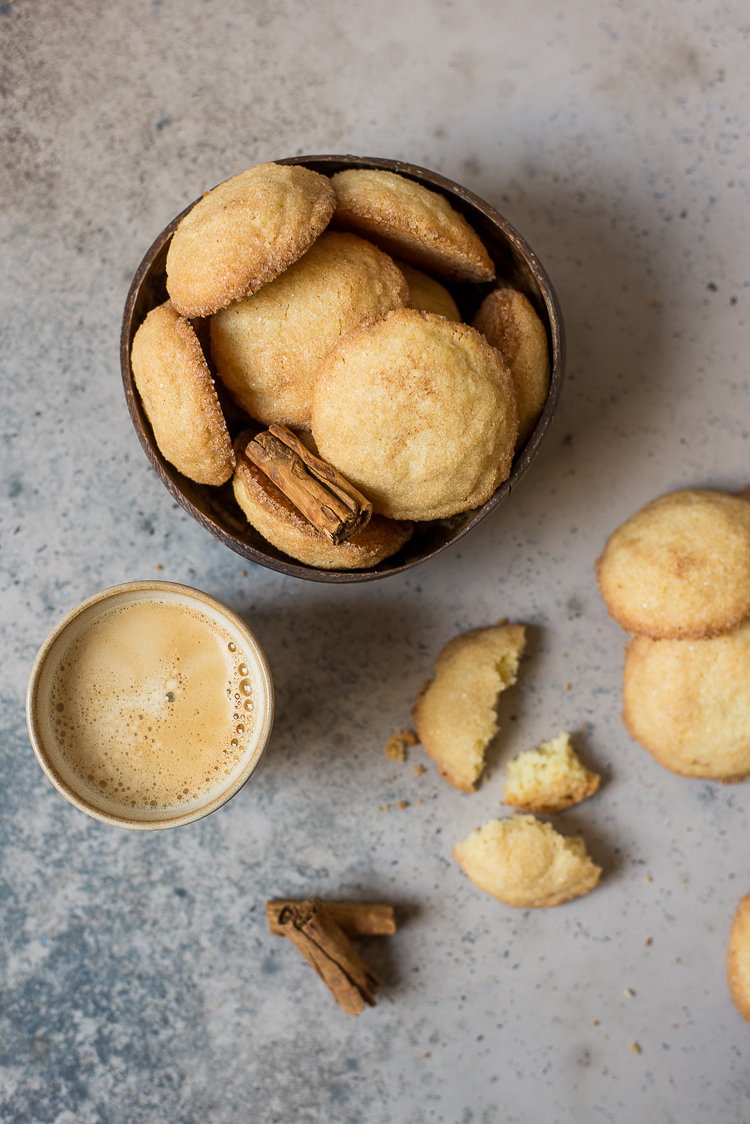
152,706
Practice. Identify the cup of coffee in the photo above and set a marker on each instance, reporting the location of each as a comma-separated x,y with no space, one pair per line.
149,705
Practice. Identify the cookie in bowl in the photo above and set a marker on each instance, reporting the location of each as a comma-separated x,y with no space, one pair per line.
410,222
282,524
179,397
418,412
244,233
268,347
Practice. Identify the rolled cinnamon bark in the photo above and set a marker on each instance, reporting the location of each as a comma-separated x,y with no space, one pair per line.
356,919
313,931
325,498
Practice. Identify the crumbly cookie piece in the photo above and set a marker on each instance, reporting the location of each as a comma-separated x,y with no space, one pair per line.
455,715
397,744
268,347
508,321
679,567
410,222
244,233
549,779
688,703
418,412
428,295
179,397
526,863
279,521
738,958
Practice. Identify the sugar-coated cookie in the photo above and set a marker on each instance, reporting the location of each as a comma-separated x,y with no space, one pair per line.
428,295
738,958
268,347
418,413
280,522
179,397
455,715
244,233
688,702
508,321
410,222
680,567
526,863
549,779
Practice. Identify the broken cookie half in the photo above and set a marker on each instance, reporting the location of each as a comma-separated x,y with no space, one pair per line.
549,779
526,863
455,715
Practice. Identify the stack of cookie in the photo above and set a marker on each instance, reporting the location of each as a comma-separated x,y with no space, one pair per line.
307,299
677,576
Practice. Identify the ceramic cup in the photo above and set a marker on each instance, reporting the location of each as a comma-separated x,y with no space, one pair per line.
150,705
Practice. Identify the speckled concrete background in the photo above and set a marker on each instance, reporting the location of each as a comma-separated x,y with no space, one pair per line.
139,983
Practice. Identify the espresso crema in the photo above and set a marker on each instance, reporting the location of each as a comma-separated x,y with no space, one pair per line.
153,706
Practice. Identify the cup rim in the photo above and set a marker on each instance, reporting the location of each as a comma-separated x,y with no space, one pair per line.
37,742
466,201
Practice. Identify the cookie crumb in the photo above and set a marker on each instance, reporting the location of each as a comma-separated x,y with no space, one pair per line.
629,993
648,941
427,1054
403,804
595,1022
419,770
395,747
158,566
635,1048
384,808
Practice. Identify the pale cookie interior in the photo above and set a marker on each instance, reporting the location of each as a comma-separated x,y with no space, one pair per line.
455,715
738,958
549,779
526,863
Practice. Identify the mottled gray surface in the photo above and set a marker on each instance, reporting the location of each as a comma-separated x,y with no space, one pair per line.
139,983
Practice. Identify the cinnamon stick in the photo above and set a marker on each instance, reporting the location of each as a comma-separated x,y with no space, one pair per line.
313,931
356,919
325,498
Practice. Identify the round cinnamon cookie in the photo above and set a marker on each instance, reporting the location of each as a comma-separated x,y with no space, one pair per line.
179,397
738,958
268,347
508,321
680,567
279,521
244,233
410,222
418,413
428,295
688,703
